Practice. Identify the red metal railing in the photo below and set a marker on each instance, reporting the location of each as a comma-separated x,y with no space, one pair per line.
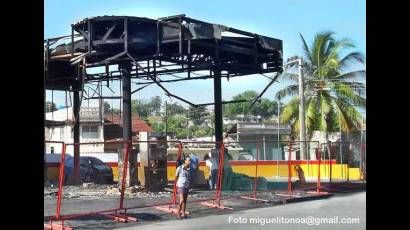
217,196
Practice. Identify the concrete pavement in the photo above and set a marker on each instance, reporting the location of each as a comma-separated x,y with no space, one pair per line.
340,206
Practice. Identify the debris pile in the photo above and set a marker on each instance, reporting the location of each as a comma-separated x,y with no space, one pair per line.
98,191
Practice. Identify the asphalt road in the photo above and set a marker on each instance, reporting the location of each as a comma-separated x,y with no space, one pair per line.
340,206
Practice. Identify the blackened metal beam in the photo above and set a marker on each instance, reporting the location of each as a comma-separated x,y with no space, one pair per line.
126,101
140,88
84,34
53,40
108,33
126,35
169,94
217,98
264,90
76,134
79,58
72,42
218,107
110,58
105,97
90,39
126,118
153,78
158,39
189,58
181,37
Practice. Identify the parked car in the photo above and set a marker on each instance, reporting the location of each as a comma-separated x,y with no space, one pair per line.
92,169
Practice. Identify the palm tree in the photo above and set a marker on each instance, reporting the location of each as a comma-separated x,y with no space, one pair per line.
332,92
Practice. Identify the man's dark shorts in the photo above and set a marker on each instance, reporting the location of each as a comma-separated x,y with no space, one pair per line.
182,190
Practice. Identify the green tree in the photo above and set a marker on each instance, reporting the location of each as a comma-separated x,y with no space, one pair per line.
107,108
145,108
197,114
233,109
331,92
154,104
177,124
175,108
203,132
140,107
156,123
264,108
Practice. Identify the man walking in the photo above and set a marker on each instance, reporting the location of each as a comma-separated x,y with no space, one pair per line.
183,178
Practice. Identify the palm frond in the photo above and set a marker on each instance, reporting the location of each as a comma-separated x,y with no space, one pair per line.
306,50
325,109
318,49
356,75
344,43
351,58
311,114
290,112
349,118
288,77
287,91
349,94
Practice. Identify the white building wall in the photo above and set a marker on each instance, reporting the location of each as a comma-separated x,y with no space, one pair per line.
64,133
67,138
321,138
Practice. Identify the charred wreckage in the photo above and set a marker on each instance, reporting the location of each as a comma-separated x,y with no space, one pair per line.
155,52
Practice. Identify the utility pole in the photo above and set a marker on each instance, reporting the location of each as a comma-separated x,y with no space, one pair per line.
277,151
302,132
302,111
340,141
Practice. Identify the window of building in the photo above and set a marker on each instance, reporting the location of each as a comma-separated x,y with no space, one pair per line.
90,131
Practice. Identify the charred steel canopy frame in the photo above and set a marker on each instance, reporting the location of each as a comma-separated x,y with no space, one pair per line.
154,52
166,46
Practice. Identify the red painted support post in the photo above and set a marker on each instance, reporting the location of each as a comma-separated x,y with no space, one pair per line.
362,162
124,175
348,165
330,162
290,168
256,171
318,155
220,176
61,181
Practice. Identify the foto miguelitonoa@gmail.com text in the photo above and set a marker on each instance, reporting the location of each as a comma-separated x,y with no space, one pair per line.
310,220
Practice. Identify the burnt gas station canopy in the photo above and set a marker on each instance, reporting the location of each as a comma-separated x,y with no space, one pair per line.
170,45
154,52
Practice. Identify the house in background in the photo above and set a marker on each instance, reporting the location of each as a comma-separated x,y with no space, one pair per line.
59,127
61,124
242,119
113,129
245,133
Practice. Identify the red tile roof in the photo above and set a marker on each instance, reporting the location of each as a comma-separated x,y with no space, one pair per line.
138,125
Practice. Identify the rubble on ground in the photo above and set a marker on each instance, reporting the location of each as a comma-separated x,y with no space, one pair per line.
100,191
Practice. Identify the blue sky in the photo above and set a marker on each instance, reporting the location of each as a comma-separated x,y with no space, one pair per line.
283,19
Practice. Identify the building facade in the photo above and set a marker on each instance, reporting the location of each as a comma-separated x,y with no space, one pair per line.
266,135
